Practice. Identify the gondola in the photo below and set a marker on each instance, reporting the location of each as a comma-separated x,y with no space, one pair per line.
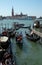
9,32
19,39
17,25
33,37
4,41
1,52
6,56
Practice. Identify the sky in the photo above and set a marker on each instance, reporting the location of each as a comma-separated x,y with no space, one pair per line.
29,7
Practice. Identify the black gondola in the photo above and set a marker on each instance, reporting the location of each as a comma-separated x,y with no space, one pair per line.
6,58
1,52
9,32
32,37
17,25
4,42
19,40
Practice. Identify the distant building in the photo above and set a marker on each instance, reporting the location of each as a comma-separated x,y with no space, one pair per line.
1,17
12,12
20,16
31,17
40,18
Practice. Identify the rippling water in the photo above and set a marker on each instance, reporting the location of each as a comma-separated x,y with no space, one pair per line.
31,53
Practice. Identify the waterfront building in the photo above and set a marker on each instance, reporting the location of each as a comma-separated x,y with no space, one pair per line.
20,16
40,17
1,17
31,17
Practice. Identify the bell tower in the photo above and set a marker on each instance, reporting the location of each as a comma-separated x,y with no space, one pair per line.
12,12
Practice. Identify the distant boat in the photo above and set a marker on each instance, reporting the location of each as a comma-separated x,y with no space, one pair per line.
33,37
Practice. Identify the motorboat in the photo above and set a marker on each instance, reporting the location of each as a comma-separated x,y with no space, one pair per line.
36,24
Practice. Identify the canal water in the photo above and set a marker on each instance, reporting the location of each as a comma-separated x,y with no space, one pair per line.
31,52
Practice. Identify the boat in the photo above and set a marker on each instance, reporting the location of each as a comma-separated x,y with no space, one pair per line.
36,24
33,37
1,52
17,25
6,57
19,39
9,32
4,42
